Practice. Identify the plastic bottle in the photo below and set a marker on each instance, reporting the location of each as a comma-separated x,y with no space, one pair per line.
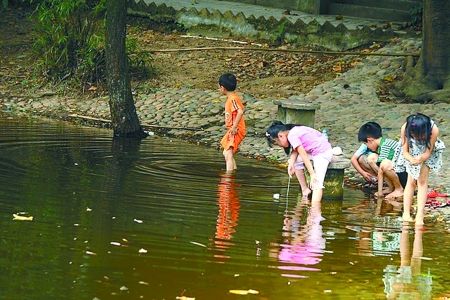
325,133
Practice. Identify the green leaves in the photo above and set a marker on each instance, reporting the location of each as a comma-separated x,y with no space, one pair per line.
70,39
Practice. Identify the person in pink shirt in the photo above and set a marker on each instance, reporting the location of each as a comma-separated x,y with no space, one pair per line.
303,144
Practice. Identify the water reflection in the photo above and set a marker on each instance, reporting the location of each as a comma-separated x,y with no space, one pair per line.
408,281
378,234
98,202
303,242
228,215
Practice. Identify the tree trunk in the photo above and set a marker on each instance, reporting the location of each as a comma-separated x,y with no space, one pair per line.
124,119
429,79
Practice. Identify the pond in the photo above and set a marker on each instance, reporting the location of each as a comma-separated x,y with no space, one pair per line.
160,220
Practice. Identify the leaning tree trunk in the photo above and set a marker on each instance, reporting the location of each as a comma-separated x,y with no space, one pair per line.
124,118
429,79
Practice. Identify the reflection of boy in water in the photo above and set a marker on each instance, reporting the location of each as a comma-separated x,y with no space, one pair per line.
407,281
228,202
305,244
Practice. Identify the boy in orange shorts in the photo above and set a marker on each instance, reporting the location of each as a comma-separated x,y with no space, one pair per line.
234,119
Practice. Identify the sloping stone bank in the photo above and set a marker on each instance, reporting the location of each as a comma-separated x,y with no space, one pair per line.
345,104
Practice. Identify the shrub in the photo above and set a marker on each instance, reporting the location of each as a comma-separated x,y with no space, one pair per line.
70,41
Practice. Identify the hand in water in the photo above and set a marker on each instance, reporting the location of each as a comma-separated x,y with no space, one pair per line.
291,170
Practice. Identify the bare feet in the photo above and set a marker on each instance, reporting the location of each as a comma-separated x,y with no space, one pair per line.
306,194
419,220
395,194
407,218
384,192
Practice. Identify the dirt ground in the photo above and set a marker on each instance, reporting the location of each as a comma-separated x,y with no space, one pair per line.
261,74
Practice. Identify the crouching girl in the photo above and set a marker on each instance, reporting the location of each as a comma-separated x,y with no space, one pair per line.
303,144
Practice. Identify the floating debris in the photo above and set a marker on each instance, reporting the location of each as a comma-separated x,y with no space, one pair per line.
115,243
138,221
90,253
276,196
142,251
198,244
244,292
21,217
184,298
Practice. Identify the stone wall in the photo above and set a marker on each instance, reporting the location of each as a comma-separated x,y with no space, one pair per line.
255,22
309,6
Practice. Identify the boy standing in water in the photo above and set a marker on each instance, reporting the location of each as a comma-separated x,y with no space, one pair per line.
234,119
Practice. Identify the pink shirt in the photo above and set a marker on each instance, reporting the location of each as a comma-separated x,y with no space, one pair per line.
310,139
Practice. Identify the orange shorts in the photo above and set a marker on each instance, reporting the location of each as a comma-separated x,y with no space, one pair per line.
230,140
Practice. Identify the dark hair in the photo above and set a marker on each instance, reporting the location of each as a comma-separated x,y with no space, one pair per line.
274,129
228,81
369,130
418,127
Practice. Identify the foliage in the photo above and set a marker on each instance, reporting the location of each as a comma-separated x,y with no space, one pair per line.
70,41
21,3
416,16
139,61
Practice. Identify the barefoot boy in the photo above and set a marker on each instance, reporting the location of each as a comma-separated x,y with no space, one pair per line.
363,160
371,135
234,120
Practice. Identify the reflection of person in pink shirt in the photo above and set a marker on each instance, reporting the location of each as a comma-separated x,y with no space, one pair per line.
305,243
228,202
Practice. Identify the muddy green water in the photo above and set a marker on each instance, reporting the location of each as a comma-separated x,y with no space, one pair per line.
160,220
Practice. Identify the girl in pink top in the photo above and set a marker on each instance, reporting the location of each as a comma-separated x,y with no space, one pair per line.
303,144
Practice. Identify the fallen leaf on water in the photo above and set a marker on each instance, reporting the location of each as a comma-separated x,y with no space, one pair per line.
17,217
198,244
244,292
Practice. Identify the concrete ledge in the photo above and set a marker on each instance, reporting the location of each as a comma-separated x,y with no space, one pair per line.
334,179
296,112
225,19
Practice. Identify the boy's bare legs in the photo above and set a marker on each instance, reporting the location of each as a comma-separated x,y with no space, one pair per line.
369,163
387,168
407,199
229,159
422,188
303,184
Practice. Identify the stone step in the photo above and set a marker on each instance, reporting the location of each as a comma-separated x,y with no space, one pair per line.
359,11
404,5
